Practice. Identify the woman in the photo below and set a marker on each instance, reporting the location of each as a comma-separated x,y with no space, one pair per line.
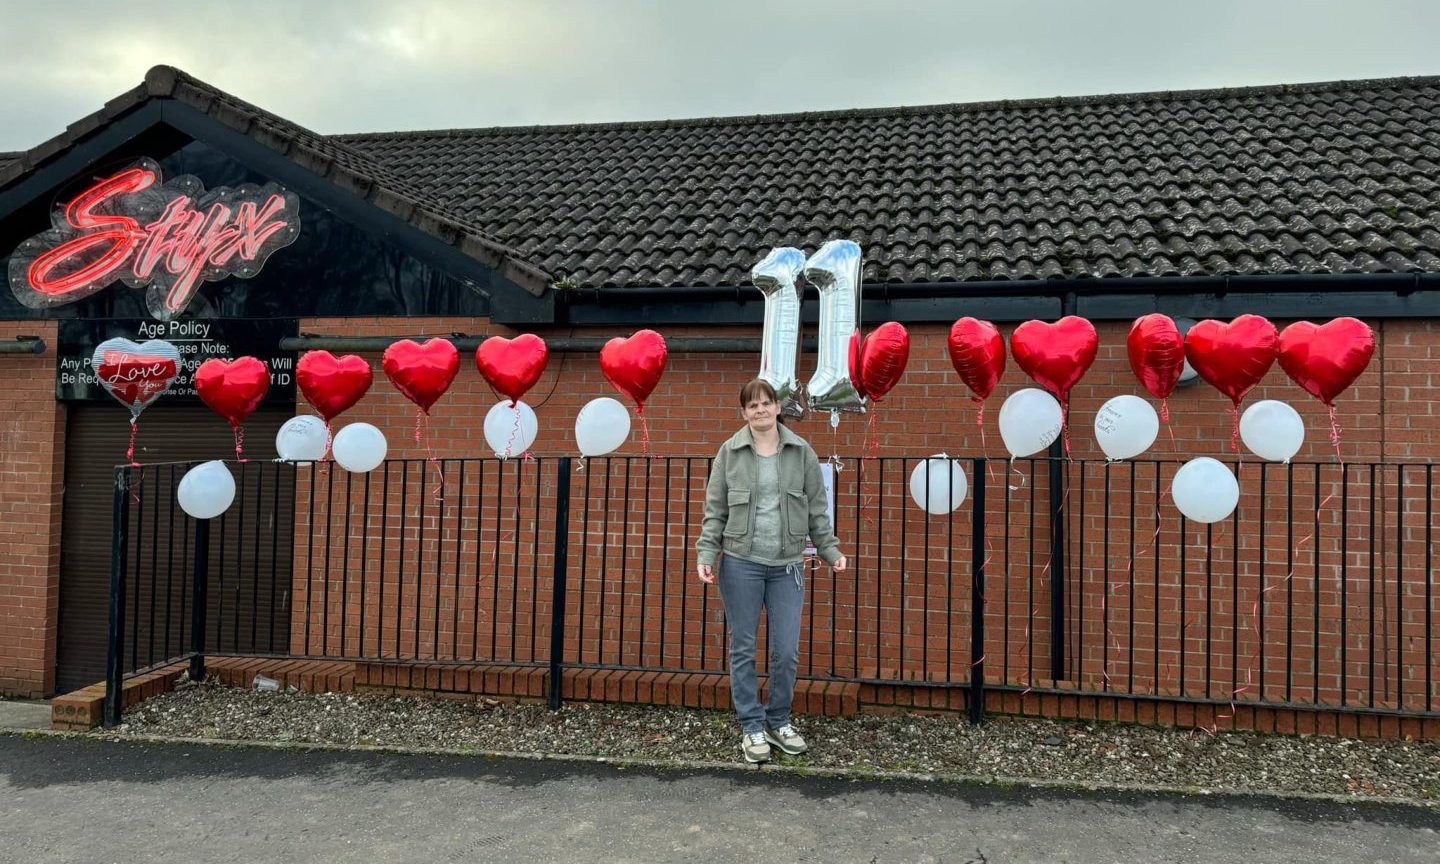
764,497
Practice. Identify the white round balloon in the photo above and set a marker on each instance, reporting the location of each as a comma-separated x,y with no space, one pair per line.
301,439
207,490
503,435
1126,426
359,447
1205,490
1030,421
1272,430
601,426
938,485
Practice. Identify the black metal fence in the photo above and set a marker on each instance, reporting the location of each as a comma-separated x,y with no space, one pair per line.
1052,577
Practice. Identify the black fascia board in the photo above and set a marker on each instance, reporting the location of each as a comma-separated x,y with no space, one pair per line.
509,303
1362,295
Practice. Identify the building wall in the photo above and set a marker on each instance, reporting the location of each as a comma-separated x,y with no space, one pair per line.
32,473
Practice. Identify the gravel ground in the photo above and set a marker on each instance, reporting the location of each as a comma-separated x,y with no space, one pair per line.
1083,753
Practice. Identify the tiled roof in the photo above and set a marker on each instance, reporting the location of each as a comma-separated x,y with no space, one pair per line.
340,162
1339,177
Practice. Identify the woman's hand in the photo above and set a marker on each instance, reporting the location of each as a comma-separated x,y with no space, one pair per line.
839,566
707,573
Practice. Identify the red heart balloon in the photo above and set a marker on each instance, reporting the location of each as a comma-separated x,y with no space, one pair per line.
1055,355
135,374
232,388
422,372
634,365
883,356
978,352
512,366
1232,357
1157,353
1326,359
332,384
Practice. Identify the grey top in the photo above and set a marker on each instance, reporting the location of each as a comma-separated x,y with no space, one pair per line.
765,546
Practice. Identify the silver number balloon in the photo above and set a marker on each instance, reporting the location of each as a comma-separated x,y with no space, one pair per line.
835,273
780,340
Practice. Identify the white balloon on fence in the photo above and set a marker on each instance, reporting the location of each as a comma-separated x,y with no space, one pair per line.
301,439
1272,430
359,447
1205,490
1126,426
504,435
601,426
207,490
938,485
1029,421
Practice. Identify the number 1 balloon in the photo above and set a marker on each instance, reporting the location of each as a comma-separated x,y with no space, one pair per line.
780,336
834,270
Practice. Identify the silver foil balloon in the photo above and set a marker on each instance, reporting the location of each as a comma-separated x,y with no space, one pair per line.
835,273
780,340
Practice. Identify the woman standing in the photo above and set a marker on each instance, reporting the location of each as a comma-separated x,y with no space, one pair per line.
764,497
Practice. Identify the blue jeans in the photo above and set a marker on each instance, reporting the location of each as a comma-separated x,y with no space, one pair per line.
745,587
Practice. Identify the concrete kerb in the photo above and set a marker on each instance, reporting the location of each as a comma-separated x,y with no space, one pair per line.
853,774
24,715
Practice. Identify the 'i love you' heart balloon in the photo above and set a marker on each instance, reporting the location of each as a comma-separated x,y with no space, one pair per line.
332,384
136,374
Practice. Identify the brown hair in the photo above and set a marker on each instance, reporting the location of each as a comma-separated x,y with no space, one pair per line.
754,389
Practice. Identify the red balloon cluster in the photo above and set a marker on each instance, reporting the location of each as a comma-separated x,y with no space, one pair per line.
1056,355
876,368
1326,359
332,384
421,372
512,366
1233,357
977,351
232,388
1157,353
634,364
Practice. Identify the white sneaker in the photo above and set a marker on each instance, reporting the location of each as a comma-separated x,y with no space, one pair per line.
787,739
755,747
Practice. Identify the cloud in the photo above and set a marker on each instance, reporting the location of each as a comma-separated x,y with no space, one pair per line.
371,65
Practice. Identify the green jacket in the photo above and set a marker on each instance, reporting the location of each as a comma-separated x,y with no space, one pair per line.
727,500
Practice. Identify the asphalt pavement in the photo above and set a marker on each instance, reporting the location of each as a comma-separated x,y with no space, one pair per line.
69,799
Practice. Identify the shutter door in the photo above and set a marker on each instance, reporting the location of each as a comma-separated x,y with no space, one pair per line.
96,437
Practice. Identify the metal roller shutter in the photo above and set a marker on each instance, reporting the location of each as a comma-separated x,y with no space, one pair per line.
95,443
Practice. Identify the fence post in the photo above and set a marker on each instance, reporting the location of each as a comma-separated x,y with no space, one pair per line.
561,550
977,593
199,599
115,647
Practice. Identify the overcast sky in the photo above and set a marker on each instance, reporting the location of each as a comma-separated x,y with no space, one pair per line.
367,65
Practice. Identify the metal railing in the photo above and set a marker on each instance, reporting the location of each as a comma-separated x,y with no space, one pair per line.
1319,592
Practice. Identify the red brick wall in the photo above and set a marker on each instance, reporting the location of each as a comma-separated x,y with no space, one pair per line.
32,438
911,574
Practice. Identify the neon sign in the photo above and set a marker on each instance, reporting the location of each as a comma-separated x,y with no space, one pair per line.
167,237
